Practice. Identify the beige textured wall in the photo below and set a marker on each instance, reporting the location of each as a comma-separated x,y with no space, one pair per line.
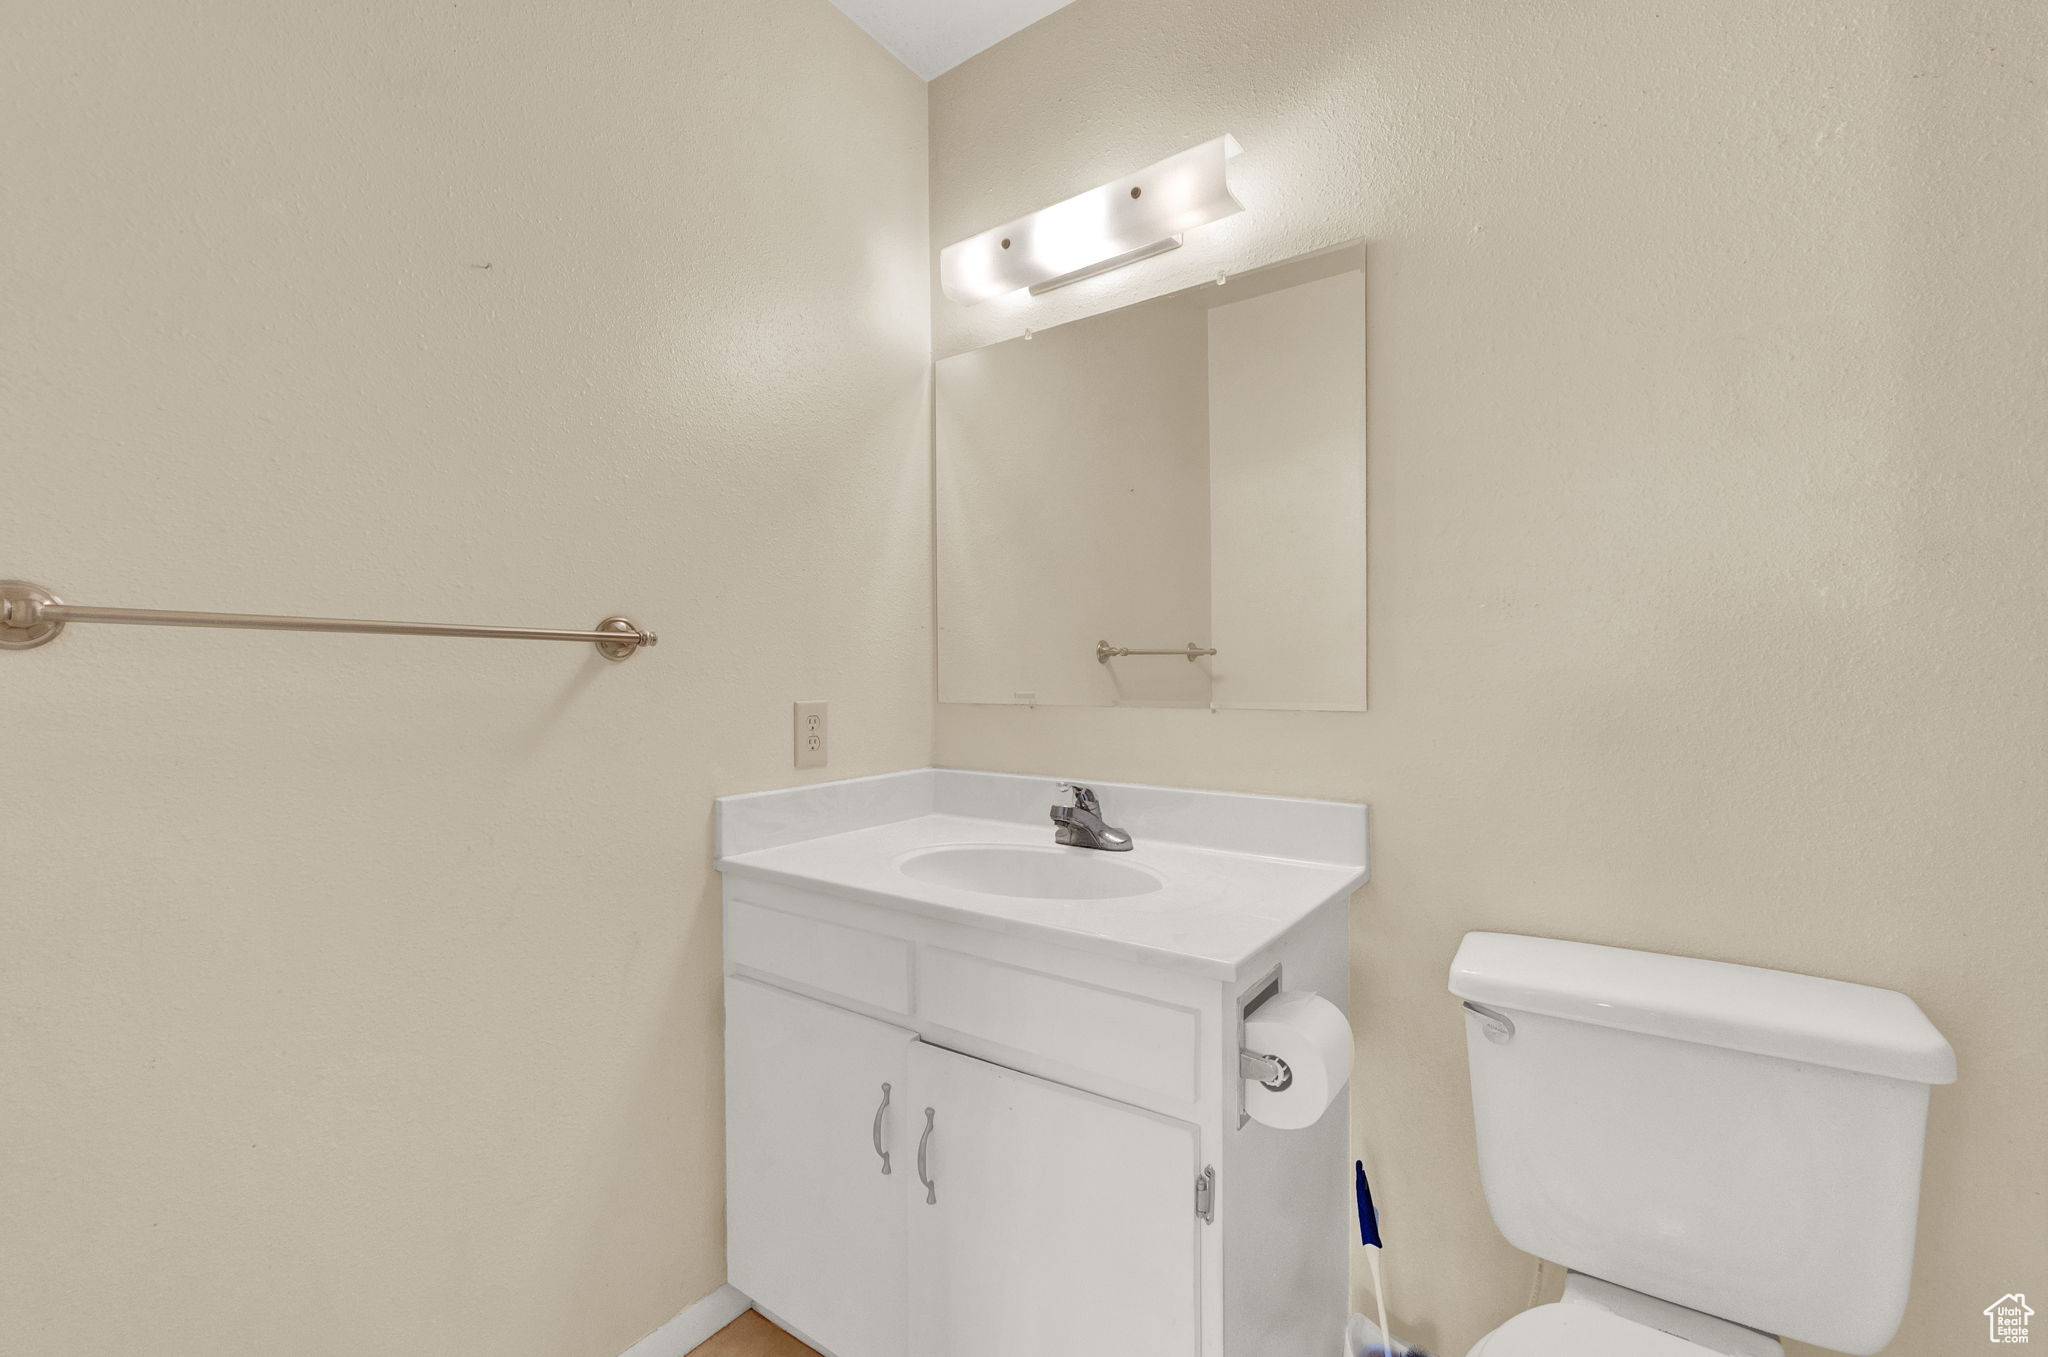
360,996
1706,348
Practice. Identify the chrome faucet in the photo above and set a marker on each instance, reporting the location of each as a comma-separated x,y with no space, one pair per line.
1081,825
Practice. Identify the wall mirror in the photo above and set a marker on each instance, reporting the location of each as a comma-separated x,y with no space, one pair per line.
1183,475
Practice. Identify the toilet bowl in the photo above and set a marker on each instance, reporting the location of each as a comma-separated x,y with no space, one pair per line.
1600,1319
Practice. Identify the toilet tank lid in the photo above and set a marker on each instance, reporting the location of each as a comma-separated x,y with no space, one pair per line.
1714,1003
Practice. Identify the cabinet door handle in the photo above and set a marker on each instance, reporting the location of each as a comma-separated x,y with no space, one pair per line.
931,1189
880,1112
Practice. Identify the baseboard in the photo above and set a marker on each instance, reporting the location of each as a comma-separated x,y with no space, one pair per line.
693,1325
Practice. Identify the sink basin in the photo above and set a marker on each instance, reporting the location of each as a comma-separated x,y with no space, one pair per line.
1049,873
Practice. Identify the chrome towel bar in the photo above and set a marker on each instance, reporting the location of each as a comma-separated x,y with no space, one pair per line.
31,616
1105,652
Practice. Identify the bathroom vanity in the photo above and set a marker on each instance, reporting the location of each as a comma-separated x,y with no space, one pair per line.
983,1095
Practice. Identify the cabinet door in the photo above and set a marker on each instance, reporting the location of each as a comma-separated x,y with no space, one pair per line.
814,1226
1056,1222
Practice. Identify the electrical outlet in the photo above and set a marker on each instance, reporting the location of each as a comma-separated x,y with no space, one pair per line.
810,735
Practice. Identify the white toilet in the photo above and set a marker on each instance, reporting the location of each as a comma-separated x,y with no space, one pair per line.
1721,1155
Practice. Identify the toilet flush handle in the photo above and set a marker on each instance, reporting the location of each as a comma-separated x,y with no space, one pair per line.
1499,1029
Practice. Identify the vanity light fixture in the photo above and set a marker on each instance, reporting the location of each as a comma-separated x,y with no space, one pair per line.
1105,228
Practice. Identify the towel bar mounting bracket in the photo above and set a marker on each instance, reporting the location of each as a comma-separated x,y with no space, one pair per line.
21,626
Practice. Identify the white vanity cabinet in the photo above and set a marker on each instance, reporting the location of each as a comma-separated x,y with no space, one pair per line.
814,1173
1003,1130
842,1130
1084,1201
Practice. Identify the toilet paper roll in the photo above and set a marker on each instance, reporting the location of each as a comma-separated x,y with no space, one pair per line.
1311,1034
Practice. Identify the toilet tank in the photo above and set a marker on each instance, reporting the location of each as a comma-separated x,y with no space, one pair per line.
1741,1141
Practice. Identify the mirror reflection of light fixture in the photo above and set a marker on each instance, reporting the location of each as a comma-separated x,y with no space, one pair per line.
1105,228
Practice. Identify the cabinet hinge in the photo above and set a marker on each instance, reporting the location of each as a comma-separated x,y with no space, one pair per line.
1205,1195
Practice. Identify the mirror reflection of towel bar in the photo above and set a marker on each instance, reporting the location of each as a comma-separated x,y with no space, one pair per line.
1105,652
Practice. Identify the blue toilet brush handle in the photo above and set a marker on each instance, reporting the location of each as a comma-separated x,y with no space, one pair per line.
1368,1219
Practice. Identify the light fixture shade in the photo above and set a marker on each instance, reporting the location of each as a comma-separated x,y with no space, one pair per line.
1118,223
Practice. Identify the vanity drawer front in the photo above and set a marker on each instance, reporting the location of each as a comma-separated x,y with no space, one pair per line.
1105,1037
865,967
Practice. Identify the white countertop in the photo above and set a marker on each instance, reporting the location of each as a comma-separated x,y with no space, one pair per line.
1214,912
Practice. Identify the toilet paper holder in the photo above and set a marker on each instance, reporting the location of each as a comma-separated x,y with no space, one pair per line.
1256,1066
1269,1070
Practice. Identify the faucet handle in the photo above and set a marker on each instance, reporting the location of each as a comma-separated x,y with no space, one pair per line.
1084,797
